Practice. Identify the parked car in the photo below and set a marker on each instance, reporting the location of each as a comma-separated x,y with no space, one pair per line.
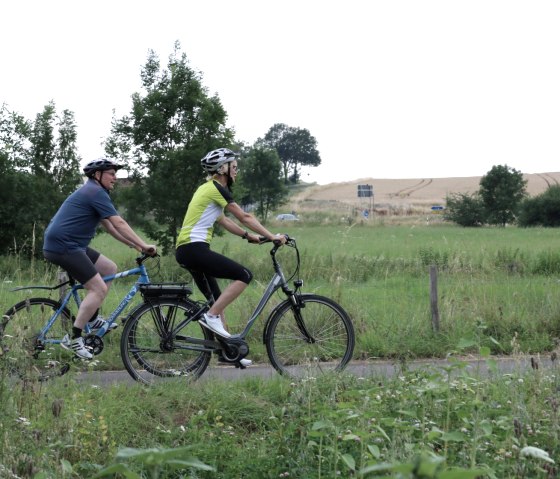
287,217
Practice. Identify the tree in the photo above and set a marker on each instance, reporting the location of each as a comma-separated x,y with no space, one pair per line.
14,140
502,189
542,210
39,167
261,180
43,141
465,209
295,147
172,124
66,172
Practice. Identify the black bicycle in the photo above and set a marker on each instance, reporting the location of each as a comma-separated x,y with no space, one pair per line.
305,335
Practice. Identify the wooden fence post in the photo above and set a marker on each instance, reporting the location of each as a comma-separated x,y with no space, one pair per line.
434,298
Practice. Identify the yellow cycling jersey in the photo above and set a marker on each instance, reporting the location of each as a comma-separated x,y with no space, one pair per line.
206,207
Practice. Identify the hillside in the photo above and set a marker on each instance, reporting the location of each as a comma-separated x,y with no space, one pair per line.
418,194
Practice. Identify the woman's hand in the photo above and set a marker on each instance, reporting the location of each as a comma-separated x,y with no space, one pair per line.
253,238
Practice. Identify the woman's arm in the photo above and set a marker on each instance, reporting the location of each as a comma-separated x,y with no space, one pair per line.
249,221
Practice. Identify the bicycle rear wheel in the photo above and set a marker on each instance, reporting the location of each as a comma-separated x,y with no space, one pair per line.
150,350
309,340
22,355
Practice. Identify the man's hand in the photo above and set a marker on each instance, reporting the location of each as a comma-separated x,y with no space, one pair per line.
150,249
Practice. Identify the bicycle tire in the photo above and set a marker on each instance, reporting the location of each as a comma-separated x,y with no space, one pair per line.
291,354
21,354
149,352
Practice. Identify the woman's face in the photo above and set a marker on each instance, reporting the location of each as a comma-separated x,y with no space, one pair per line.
233,170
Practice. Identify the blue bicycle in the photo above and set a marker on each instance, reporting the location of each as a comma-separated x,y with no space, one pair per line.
32,330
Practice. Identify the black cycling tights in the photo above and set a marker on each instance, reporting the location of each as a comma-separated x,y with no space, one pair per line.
206,265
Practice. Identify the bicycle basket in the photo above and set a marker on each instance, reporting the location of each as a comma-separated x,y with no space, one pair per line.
165,290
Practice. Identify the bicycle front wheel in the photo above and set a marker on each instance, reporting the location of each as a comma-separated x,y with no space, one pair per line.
22,354
150,349
310,339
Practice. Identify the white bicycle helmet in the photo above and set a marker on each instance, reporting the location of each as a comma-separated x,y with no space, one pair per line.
212,162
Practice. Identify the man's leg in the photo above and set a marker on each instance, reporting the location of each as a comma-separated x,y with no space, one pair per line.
96,291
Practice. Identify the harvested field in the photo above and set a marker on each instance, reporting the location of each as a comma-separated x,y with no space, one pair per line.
413,194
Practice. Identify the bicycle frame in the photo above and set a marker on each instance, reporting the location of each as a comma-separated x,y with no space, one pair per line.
277,281
143,278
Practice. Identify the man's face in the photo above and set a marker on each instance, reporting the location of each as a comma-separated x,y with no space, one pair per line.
107,178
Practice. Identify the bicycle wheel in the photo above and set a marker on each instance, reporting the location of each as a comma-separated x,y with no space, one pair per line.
149,348
22,355
327,346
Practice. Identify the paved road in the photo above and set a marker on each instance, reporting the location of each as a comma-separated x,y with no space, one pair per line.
475,366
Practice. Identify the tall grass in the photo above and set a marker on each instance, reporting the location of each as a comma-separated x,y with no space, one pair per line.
503,281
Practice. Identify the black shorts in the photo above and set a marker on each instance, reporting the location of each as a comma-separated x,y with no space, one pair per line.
78,264
206,265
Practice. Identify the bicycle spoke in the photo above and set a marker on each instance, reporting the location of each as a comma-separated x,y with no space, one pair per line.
22,354
330,343
149,347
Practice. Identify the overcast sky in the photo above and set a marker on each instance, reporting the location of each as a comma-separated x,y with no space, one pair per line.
389,89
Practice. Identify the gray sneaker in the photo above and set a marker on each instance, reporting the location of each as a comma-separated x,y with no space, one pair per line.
77,346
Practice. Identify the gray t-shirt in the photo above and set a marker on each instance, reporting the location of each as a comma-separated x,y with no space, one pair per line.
74,224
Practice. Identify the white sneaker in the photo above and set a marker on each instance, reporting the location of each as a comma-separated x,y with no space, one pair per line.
98,323
246,362
77,346
214,324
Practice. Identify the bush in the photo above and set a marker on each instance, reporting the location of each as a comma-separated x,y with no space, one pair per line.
542,210
465,209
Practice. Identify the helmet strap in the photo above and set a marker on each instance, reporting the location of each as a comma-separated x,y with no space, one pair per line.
99,180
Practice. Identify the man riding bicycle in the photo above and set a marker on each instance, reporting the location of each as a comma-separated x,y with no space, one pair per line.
67,239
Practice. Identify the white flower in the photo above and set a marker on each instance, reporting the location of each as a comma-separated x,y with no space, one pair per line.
530,451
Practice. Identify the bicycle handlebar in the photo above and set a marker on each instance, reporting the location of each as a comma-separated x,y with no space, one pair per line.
264,239
144,256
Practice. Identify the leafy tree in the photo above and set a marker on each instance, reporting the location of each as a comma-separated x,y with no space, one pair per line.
172,124
14,140
260,177
43,141
66,172
502,189
34,180
542,210
465,209
295,147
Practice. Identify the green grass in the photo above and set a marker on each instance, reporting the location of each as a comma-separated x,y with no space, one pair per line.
498,294
457,423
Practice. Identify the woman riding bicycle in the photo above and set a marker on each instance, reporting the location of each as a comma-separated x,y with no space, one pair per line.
67,238
193,252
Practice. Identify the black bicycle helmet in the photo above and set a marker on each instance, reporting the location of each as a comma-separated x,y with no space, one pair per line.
102,164
216,158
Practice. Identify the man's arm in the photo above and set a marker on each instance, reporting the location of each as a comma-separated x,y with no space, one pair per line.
119,229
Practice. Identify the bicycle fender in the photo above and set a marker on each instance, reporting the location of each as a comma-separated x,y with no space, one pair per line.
136,308
21,288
